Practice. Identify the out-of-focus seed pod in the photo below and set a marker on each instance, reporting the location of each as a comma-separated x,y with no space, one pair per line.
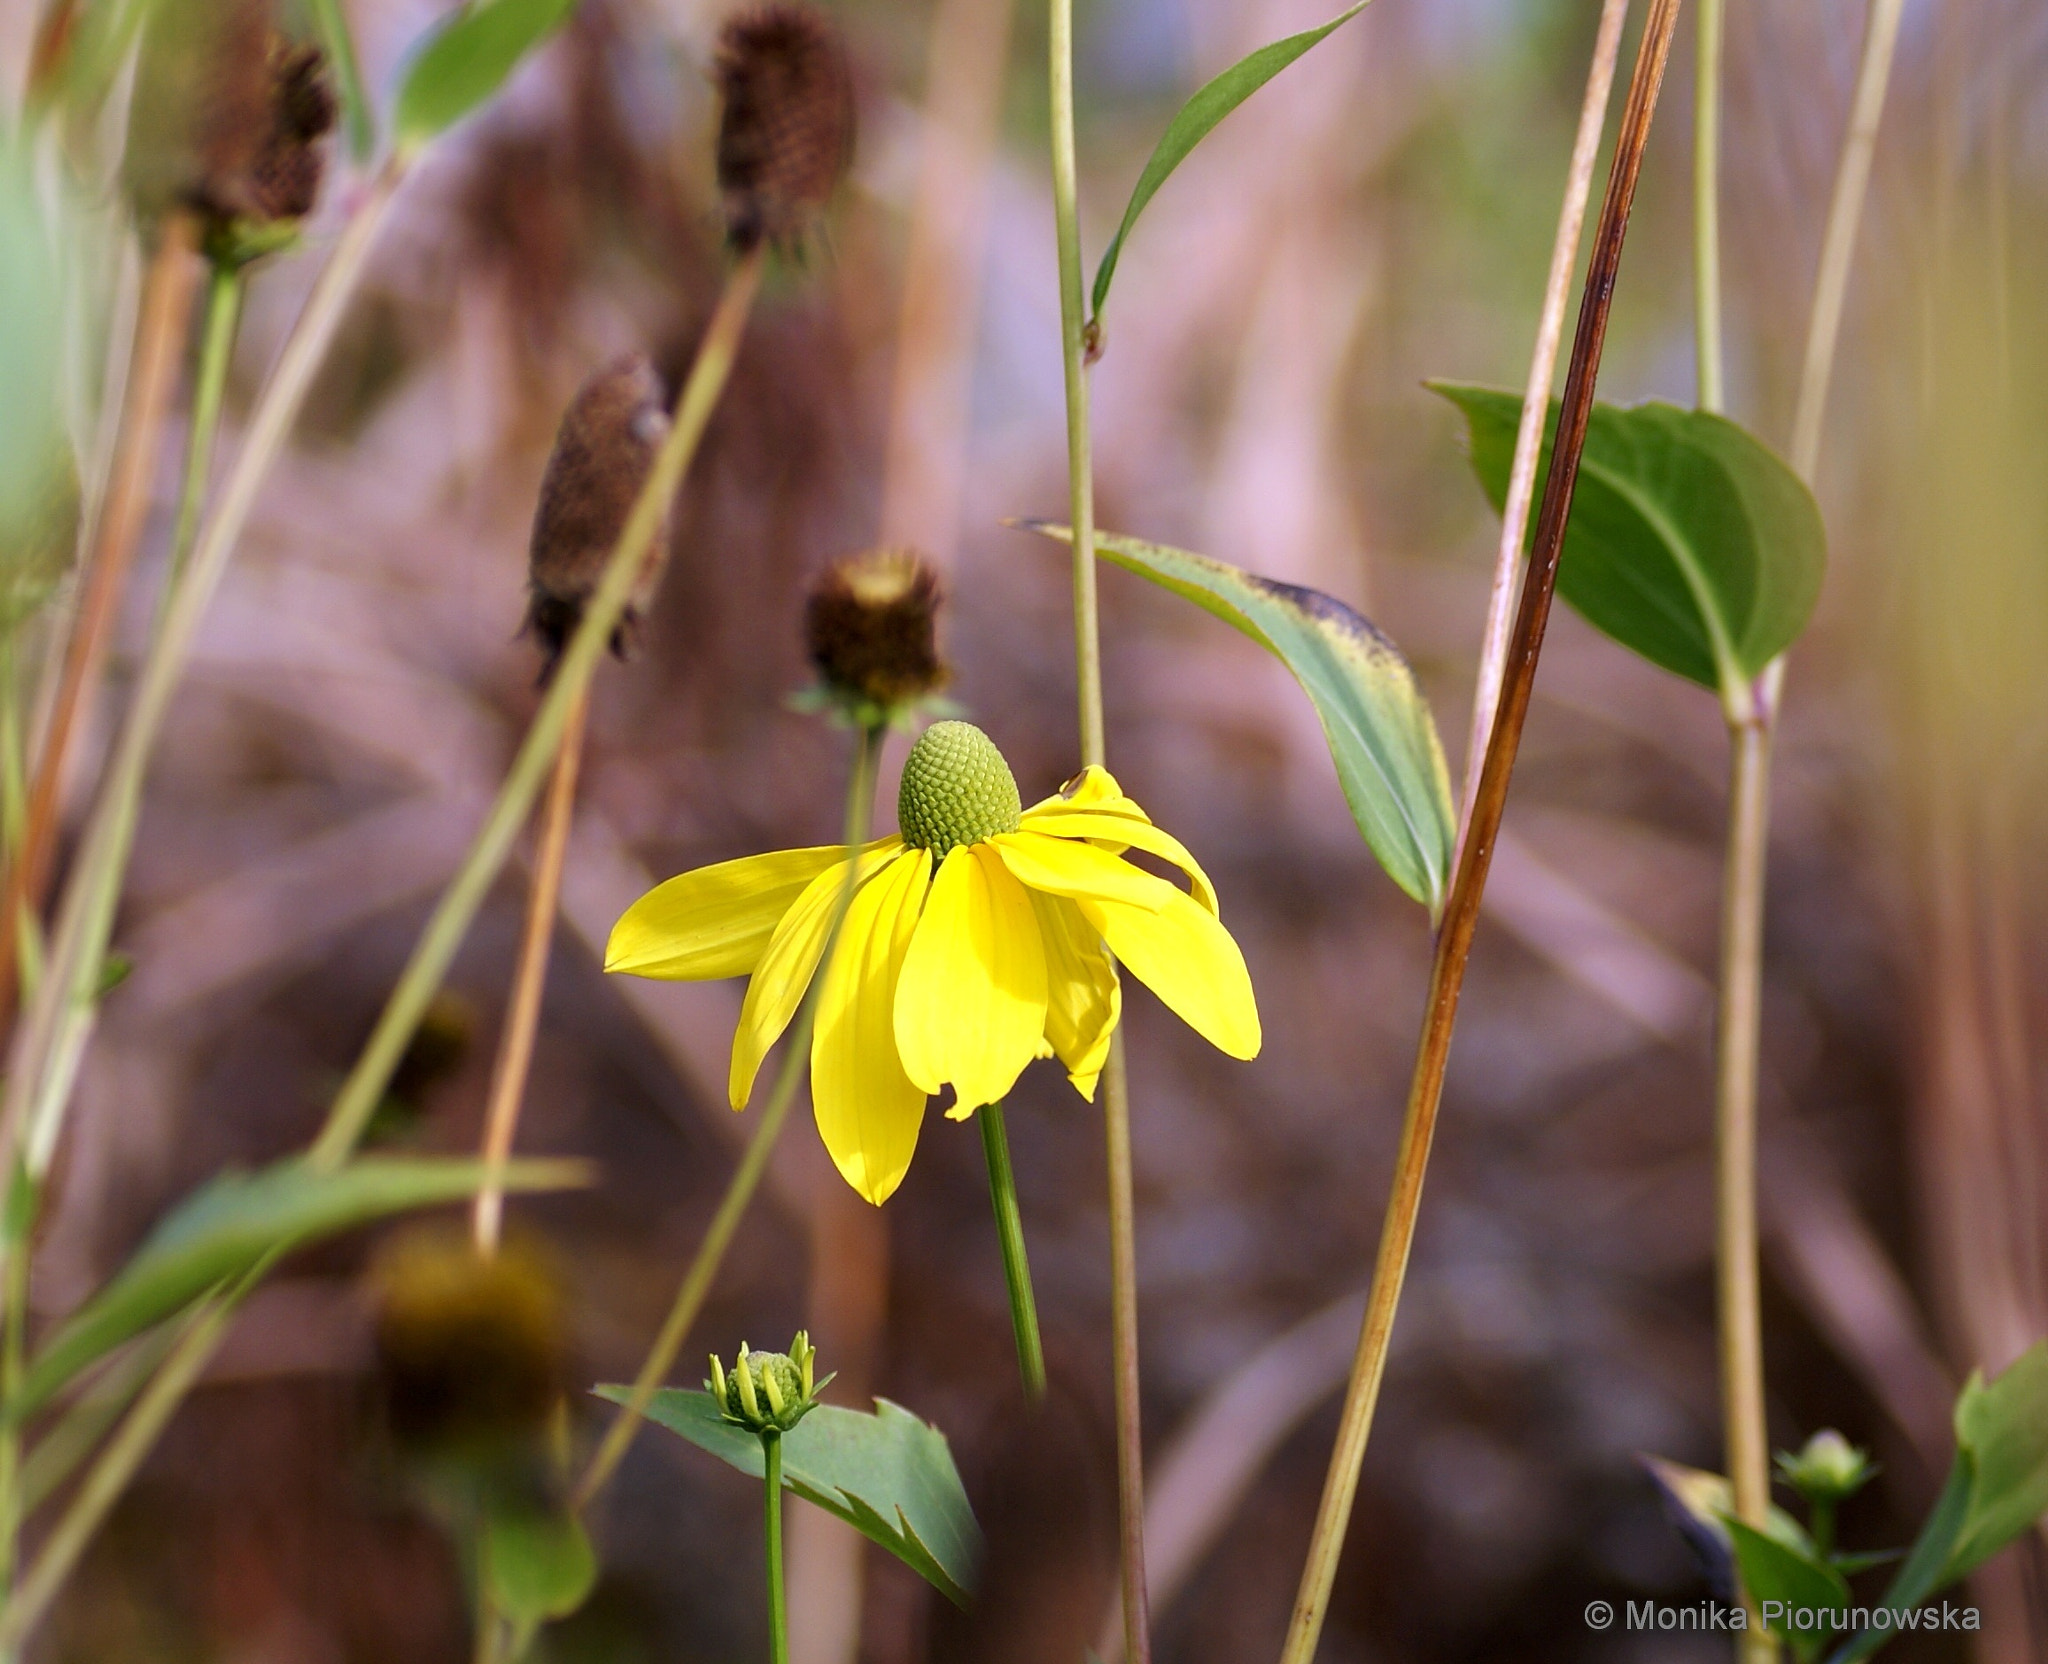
785,137
871,628
227,121
472,1353
603,451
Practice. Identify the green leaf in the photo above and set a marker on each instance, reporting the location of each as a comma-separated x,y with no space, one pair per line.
465,59
235,1221
1777,1573
339,45
1194,122
888,1475
1381,735
1689,542
1700,1504
1997,1488
540,1564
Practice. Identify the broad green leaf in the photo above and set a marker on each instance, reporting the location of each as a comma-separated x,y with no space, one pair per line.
235,1221
1777,1575
888,1475
1382,737
465,59
39,494
1689,542
339,45
1194,122
1996,1489
540,1564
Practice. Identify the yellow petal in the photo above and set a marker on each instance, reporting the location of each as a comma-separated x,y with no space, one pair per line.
1093,791
970,1004
786,967
715,921
1118,833
1185,957
1068,867
1083,996
868,1111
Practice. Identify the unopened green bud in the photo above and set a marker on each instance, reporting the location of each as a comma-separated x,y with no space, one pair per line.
769,1392
1828,1469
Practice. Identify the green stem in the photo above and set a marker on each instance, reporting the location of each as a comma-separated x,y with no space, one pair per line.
22,1203
746,1178
47,1043
225,287
1116,1103
1739,1016
364,1089
1002,1193
1468,884
1706,203
778,1604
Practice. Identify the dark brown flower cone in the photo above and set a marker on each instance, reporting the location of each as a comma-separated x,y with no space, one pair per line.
603,451
227,117
785,138
870,626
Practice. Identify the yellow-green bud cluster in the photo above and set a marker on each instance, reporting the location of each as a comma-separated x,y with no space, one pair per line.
769,1392
1828,1469
956,790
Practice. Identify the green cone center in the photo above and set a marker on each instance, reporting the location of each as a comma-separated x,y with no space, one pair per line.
956,790
789,1382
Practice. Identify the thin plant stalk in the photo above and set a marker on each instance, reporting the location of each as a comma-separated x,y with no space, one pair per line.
1002,1194
160,325
778,1600
1461,916
1514,523
746,1178
85,913
435,950
19,1222
225,287
1116,1102
529,979
1709,24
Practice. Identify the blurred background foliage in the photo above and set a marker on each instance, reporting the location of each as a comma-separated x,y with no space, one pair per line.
1382,215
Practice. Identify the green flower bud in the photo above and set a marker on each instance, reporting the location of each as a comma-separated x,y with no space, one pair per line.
769,1392
956,790
1828,1469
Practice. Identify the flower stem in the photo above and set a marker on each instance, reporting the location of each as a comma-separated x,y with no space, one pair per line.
529,979
1002,1194
778,1603
746,1178
1706,202
1514,519
1116,1103
1461,916
435,950
159,340
17,1221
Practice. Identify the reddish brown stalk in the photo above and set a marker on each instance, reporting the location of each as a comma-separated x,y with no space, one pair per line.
529,980
160,328
1461,917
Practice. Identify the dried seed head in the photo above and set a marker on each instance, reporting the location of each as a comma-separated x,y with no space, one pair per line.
603,451
227,120
869,626
472,1355
786,134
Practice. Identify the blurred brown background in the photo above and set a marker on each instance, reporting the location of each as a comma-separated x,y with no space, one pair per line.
1381,215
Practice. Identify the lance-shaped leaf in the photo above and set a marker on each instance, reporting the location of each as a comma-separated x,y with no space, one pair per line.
888,1475
1690,541
237,1220
1194,122
1997,1488
1782,1577
465,59
1382,737
340,46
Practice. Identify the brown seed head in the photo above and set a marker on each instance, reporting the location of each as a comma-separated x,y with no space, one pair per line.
227,117
869,626
472,1353
786,134
603,451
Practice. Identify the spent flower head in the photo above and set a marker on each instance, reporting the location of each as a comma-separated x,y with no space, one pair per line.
769,1392
785,135
982,935
871,629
